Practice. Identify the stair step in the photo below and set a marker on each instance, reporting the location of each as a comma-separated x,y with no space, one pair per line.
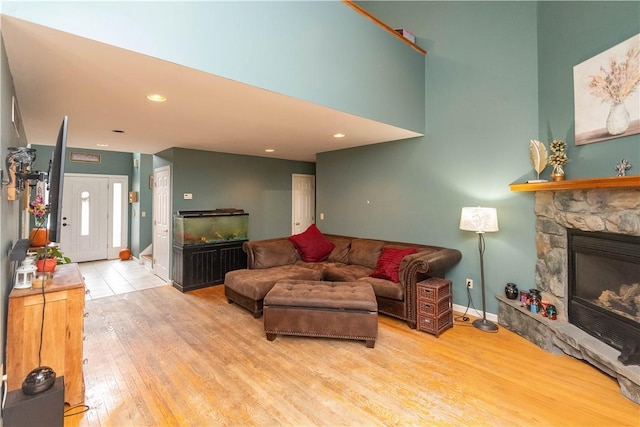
147,260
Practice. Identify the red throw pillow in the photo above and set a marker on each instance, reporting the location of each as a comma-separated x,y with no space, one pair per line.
388,265
312,244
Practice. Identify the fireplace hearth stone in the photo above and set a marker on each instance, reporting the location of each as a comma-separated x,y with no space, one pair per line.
609,210
559,336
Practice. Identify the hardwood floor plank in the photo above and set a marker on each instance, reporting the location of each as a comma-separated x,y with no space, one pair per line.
160,357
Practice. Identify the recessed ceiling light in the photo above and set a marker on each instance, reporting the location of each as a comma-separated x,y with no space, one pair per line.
269,150
156,97
339,135
102,145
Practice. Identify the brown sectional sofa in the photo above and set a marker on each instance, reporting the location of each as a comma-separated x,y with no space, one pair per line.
352,259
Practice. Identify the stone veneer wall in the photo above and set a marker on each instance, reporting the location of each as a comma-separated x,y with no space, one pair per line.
611,210
606,210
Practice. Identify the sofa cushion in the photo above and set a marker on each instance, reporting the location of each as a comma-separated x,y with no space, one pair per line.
365,252
345,273
389,263
273,253
341,251
255,284
312,244
385,288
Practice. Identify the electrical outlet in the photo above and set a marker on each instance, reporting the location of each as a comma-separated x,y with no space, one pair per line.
469,284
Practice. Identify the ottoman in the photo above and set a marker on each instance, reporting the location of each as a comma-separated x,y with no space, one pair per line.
345,310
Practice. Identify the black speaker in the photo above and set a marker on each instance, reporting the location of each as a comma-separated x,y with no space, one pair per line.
45,409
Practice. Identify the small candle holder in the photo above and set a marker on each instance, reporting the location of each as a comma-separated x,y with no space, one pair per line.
524,296
42,279
552,312
544,306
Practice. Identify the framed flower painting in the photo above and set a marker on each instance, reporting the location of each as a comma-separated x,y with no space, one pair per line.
607,94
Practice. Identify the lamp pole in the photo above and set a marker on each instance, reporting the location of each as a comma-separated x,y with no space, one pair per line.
483,324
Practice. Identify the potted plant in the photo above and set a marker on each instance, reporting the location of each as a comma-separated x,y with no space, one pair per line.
40,211
558,159
48,257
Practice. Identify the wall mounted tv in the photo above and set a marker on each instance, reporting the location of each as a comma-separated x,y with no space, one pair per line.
55,181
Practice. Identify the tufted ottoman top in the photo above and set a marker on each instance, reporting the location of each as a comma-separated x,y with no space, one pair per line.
325,295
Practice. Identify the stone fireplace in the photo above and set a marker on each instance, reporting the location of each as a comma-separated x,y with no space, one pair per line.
590,209
604,287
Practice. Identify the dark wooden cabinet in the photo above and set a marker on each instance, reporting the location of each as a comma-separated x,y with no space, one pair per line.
434,307
199,266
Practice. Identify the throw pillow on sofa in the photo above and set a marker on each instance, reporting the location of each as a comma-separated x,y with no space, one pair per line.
388,265
312,244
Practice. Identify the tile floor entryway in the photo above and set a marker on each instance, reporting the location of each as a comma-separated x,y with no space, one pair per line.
111,277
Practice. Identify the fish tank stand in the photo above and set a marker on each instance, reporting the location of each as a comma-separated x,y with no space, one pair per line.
206,245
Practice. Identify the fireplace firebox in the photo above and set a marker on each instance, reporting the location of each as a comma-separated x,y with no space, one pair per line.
604,286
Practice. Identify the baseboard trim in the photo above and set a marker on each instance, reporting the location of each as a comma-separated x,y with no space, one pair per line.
473,312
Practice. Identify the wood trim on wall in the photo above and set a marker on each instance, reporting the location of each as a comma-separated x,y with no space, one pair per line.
576,184
384,26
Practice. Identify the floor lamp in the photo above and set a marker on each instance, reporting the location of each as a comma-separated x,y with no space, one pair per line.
481,220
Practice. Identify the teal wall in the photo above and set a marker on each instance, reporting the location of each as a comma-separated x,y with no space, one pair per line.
9,210
141,212
260,186
111,162
145,205
296,48
561,46
497,75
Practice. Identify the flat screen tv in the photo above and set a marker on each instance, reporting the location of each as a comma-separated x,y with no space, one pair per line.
55,180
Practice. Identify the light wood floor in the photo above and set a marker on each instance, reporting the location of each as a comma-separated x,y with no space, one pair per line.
160,357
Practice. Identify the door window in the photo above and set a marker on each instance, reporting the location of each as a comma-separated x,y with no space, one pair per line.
116,215
85,216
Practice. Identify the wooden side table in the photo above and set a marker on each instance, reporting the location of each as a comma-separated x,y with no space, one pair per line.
62,334
434,307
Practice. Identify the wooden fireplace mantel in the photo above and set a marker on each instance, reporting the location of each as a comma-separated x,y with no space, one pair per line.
579,184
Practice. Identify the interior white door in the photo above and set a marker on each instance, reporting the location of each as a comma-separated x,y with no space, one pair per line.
303,202
161,221
83,236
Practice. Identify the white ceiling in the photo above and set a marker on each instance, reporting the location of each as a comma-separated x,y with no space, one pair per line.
103,88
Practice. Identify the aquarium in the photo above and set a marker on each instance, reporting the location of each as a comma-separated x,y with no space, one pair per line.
210,226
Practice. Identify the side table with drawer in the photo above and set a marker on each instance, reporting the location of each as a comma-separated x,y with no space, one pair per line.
434,307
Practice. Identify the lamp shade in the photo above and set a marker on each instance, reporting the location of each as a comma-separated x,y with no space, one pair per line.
480,220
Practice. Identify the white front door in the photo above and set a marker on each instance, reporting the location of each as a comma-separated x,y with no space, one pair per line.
303,201
161,221
94,216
